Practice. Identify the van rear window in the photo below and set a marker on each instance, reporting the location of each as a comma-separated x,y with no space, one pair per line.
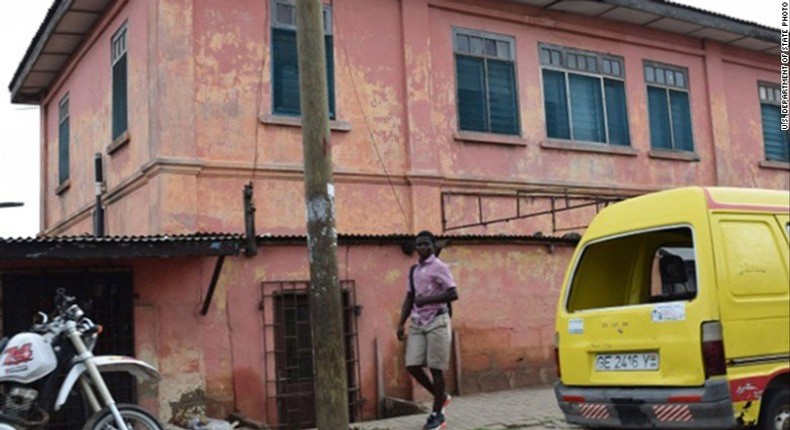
647,267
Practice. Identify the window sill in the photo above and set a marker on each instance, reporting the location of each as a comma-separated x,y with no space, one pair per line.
777,165
63,187
673,155
602,148
296,121
492,138
119,142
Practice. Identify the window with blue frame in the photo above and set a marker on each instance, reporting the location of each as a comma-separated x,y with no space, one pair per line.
669,107
119,83
63,140
285,60
584,95
776,140
486,82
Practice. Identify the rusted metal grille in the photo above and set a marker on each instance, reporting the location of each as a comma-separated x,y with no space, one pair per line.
290,381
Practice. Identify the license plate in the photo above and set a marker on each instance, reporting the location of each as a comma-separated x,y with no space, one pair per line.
626,362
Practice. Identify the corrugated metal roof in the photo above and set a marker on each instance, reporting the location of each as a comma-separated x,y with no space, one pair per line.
404,237
207,244
717,14
164,238
119,247
213,237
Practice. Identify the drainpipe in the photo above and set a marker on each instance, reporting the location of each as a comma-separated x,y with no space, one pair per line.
98,213
249,222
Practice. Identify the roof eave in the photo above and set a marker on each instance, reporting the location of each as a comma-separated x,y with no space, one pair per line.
54,15
708,19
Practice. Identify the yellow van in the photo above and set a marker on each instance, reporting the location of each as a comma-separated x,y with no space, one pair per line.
674,313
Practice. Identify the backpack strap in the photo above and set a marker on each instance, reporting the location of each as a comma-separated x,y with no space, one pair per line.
411,279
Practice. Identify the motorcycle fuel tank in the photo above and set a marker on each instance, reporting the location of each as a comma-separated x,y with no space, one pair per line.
26,358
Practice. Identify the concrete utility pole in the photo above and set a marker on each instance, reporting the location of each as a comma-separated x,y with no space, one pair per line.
329,358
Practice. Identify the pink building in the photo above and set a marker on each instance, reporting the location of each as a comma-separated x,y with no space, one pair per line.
447,115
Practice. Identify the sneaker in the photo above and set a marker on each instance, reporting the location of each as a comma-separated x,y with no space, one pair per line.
447,399
435,421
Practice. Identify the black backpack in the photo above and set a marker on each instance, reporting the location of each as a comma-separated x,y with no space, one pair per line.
411,287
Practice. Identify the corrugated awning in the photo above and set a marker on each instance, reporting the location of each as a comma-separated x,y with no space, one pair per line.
216,244
120,247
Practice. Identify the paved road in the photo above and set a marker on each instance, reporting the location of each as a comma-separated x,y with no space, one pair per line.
533,409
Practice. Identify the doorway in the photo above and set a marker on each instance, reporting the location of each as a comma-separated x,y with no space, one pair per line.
107,299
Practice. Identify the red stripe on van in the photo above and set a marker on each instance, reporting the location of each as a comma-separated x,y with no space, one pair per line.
684,399
573,399
750,389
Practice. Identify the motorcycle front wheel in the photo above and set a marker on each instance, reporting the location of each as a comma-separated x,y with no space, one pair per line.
134,416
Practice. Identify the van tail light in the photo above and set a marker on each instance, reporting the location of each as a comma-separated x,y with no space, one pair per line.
557,354
713,349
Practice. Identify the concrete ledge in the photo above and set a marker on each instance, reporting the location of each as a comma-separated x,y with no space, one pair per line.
394,407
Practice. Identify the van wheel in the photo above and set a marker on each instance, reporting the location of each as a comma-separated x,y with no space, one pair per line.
775,413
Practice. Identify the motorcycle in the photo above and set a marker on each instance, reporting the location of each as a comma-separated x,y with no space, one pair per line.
39,369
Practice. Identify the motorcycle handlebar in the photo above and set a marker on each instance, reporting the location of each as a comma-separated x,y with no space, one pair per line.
62,301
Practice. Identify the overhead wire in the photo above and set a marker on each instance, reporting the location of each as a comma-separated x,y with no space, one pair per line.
259,94
367,121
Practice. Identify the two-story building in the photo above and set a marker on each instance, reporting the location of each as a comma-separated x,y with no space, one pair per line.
500,125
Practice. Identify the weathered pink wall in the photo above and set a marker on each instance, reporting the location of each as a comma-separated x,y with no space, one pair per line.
504,319
87,81
743,108
201,127
201,118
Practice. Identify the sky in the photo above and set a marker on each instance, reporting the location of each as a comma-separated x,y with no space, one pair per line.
19,124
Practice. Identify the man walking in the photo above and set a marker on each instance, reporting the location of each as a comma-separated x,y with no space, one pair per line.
431,289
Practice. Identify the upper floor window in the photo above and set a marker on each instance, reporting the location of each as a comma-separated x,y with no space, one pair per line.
486,80
119,83
584,95
668,105
285,60
777,141
63,140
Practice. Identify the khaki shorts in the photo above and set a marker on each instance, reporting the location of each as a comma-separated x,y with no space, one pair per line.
429,345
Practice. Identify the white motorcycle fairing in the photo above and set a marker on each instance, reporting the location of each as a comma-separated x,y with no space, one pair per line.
26,358
106,363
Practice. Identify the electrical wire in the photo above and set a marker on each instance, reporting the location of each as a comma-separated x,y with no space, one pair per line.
367,121
258,94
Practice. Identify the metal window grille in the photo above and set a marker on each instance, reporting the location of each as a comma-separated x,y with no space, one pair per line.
290,389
